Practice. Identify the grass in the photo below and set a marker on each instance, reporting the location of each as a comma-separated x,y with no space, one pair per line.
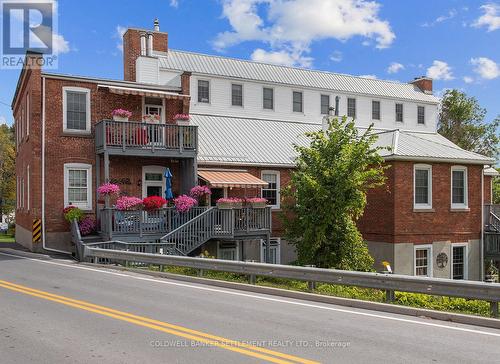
7,238
439,303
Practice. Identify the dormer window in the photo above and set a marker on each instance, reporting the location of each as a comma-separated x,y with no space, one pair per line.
204,91
297,101
236,94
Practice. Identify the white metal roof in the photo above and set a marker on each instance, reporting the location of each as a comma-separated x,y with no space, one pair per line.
243,141
263,72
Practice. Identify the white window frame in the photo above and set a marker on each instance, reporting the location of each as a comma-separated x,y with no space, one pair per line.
28,114
427,247
278,187
209,91
402,112
418,106
355,107
301,101
161,107
422,206
145,184
87,111
78,166
329,103
242,94
276,246
379,110
274,98
466,259
237,250
464,205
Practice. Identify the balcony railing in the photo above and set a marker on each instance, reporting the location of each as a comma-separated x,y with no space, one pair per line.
133,137
140,223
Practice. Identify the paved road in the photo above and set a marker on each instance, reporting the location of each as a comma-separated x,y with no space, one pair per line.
56,311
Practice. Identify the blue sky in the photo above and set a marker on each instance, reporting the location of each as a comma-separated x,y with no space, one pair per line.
456,42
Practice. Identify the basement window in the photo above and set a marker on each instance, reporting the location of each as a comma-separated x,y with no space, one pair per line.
423,260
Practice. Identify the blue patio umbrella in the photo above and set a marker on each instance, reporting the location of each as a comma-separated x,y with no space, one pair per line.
168,185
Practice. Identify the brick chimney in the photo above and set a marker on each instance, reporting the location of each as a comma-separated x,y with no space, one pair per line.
423,83
140,42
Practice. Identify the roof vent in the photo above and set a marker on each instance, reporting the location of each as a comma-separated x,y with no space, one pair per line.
156,25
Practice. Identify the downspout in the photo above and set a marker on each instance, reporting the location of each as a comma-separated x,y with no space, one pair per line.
43,174
481,275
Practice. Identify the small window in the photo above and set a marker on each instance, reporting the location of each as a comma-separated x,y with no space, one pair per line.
236,95
274,251
272,191
76,109
421,114
268,98
297,101
351,107
423,261
422,187
228,250
203,91
399,113
459,261
78,185
325,104
459,187
375,110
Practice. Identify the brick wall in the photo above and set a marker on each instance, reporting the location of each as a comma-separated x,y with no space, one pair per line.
488,180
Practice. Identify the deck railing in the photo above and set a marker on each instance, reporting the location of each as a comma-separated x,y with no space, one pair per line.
129,135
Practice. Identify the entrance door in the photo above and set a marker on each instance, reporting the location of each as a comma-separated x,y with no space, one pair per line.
153,181
154,107
216,194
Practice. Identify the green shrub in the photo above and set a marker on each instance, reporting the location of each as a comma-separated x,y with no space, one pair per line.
71,213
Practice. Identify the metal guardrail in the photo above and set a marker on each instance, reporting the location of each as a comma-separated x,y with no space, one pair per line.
387,282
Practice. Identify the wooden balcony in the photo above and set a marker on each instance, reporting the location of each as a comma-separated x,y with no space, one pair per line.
146,139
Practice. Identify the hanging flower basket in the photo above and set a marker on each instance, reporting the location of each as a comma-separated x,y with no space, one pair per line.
257,202
182,119
184,203
230,203
108,189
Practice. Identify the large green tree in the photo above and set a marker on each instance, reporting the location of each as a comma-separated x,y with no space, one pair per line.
7,170
461,120
327,195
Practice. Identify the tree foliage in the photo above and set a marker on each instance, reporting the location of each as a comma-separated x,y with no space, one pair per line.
461,120
496,189
7,170
327,195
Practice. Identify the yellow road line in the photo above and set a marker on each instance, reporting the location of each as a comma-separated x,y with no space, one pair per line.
218,341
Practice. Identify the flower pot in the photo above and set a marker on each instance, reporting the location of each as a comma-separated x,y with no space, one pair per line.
258,205
182,122
224,205
120,118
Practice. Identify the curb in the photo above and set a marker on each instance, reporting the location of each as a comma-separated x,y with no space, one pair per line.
313,297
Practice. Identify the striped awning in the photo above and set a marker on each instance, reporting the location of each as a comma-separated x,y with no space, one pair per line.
226,178
143,92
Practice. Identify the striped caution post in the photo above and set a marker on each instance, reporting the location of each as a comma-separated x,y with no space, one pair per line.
37,230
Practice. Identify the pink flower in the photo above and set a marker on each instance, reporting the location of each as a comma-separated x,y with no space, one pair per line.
121,112
256,200
181,117
125,203
108,189
184,203
198,192
87,225
234,200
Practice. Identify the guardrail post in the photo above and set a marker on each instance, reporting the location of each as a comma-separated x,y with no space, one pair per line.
252,278
494,309
311,285
389,296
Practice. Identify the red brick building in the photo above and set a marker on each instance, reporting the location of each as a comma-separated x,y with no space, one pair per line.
245,117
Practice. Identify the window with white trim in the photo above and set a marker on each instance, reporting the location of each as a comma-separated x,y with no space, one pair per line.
297,98
423,260
274,251
268,98
325,104
422,186
420,114
375,110
228,250
76,109
399,113
459,187
78,185
236,94
272,191
459,261
204,91
351,107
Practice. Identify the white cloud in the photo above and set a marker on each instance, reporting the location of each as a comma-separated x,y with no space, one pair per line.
468,79
59,44
291,26
440,71
450,15
372,77
119,31
485,68
174,3
282,57
336,56
395,67
490,17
